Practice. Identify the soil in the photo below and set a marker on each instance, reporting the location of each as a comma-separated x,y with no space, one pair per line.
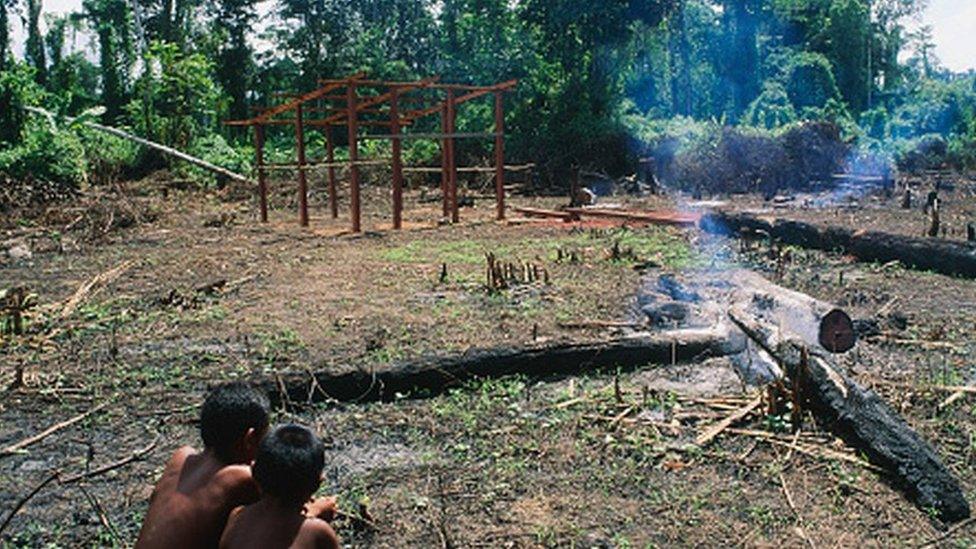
597,460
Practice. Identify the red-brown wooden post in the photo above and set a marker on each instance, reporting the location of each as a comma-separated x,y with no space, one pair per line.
352,124
499,156
397,163
451,160
445,199
259,164
300,151
330,158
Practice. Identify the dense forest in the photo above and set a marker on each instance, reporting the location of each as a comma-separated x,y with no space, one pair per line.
601,83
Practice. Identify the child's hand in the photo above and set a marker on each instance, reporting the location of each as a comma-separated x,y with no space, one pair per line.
324,508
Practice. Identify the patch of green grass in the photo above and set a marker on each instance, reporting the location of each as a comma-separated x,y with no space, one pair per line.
652,243
279,345
456,252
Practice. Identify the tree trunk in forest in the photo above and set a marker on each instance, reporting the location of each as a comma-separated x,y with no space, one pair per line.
4,34
34,48
679,57
744,57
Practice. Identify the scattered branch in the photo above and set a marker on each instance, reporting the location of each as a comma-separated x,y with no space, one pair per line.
17,447
83,291
715,429
27,498
138,455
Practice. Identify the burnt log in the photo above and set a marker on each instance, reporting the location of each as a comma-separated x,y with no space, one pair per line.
432,375
942,256
859,417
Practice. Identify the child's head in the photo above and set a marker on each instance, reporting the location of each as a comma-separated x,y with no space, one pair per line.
289,464
233,421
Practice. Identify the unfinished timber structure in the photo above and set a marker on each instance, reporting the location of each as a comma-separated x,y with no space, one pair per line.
356,102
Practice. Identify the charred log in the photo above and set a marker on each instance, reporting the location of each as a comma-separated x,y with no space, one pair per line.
859,417
432,375
941,256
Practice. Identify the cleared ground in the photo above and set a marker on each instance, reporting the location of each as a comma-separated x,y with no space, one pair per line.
513,462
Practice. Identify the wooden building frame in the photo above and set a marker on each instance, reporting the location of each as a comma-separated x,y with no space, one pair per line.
338,103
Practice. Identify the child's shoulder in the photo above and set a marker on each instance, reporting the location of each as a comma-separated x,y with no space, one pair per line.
235,472
320,532
179,457
236,480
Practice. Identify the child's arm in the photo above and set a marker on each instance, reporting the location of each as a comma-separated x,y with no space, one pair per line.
323,508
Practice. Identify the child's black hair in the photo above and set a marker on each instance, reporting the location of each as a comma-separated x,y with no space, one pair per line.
229,411
289,464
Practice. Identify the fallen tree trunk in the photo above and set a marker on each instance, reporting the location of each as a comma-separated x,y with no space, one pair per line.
151,144
435,374
932,254
652,217
859,417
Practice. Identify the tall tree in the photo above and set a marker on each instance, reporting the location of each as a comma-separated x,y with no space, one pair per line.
742,18
6,6
848,35
34,48
111,21
680,61
233,20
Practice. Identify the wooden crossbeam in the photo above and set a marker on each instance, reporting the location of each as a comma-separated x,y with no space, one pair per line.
383,98
480,92
265,116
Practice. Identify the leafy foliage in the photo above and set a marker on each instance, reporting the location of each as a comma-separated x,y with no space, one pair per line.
772,108
176,97
599,83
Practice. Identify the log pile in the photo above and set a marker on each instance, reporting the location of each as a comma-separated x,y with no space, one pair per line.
746,317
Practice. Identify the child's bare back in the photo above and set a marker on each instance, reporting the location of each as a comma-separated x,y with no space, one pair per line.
288,471
265,525
190,504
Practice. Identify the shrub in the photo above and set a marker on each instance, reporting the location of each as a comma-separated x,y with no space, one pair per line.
17,88
923,153
46,164
771,109
808,80
936,108
214,149
734,160
108,158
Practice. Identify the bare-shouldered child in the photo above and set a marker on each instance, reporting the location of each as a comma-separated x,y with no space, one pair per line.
191,502
288,470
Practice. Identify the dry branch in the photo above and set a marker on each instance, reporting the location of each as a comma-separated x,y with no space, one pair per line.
136,456
23,501
16,447
83,291
715,429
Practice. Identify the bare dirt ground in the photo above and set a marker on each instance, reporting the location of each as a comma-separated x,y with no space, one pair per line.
516,462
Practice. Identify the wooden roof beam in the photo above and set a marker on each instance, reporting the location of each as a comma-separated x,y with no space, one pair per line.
372,101
265,116
464,98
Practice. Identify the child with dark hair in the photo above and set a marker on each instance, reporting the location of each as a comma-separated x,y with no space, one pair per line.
288,470
198,489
